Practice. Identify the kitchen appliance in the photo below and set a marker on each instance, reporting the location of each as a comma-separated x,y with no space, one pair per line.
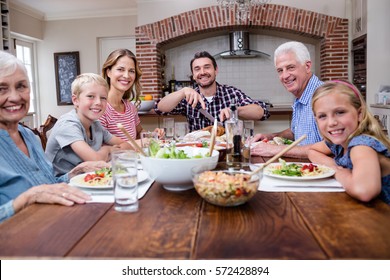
239,47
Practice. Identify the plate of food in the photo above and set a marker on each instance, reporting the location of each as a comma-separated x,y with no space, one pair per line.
298,171
100,179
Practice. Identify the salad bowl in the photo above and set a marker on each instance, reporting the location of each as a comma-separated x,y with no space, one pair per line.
226,186
175,173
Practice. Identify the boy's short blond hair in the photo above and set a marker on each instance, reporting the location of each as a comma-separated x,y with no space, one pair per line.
87,78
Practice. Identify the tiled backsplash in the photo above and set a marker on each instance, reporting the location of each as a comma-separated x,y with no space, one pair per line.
256,77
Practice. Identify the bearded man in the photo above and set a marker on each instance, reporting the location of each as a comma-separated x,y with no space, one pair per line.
211,96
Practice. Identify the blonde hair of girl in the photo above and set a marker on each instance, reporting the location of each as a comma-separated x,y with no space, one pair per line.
368,125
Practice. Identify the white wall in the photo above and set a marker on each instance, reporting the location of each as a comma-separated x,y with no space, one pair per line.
378,46
73,35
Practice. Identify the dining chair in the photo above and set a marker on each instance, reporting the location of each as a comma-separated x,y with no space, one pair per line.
45,129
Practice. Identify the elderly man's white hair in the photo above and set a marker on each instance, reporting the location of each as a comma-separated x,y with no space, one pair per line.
300,50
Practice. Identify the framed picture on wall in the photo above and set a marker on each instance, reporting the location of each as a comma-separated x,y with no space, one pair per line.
67,67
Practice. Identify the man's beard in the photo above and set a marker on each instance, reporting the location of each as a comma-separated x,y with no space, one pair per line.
206,85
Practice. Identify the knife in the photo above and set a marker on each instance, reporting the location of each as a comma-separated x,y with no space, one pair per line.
208,116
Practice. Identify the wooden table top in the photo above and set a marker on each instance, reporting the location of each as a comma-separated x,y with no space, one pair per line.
181,225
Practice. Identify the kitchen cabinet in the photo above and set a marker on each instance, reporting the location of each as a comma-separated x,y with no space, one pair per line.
177,85
5,31
383,113
359,18
359,59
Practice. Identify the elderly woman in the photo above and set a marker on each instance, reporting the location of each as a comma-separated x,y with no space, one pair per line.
26,176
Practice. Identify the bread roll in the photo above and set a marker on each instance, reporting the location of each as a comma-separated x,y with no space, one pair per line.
220,130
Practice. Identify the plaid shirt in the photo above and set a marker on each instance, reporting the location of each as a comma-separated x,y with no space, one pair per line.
224,96
303,121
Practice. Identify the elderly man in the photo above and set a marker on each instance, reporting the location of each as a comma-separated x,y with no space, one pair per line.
293,65
209,95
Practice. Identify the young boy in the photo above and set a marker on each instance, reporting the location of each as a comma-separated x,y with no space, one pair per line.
78,135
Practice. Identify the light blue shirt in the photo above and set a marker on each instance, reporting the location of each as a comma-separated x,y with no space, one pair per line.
67,130
19,172
303,121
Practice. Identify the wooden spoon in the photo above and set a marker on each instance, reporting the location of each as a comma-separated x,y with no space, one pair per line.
132,141
213,135
278,155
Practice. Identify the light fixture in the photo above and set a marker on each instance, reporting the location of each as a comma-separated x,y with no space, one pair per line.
244,7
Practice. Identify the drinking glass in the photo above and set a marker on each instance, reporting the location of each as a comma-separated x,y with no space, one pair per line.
124,172
249,126
169,128
181,130
146,137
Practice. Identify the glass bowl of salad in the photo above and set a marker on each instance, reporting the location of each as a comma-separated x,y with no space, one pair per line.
171,166
226,187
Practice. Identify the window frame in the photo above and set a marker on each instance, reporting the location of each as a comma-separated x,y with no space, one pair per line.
25,43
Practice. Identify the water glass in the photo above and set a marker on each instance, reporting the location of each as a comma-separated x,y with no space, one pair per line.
124,172
249,126
169,128
181,130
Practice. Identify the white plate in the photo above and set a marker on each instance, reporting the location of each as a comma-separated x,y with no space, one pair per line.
327,173
78,181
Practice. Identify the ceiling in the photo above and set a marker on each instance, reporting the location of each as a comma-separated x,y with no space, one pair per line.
68,9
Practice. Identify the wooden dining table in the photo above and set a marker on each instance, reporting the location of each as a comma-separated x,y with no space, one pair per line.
181,225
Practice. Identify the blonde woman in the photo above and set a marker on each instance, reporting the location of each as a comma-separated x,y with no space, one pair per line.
123,74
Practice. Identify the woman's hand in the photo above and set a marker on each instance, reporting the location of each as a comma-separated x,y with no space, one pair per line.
51,194
160,132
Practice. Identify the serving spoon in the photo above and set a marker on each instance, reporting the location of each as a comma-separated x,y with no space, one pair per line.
278,155
132,141
213,135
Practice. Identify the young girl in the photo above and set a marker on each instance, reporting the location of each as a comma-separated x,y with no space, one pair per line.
354,144
78,135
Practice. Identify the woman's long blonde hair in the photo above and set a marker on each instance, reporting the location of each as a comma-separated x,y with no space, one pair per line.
134,92
368,125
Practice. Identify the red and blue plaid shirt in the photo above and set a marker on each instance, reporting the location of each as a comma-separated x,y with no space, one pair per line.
224,96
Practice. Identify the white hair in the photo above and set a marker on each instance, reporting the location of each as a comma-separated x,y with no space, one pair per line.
9,63
300,50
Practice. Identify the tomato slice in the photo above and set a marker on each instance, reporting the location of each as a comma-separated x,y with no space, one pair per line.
89,177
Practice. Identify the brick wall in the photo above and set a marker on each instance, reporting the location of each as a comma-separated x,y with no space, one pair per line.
331,33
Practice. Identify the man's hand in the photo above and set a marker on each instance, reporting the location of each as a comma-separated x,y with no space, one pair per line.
193,97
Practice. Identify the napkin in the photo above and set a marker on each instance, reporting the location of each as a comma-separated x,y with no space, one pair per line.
270,184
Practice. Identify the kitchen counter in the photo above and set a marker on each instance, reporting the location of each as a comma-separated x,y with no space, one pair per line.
281,110
279,120
275,110
380,106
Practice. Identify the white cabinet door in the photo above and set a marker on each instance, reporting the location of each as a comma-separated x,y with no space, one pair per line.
108,44
384,116
359,18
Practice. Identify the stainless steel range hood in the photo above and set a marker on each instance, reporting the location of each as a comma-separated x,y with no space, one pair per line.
239,47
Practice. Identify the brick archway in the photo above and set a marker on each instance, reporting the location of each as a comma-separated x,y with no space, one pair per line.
331,32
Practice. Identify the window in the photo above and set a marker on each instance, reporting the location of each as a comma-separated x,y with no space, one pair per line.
24,50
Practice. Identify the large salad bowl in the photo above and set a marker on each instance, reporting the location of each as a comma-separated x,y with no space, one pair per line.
175,174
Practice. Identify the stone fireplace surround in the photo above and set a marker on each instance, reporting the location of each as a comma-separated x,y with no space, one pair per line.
153,39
